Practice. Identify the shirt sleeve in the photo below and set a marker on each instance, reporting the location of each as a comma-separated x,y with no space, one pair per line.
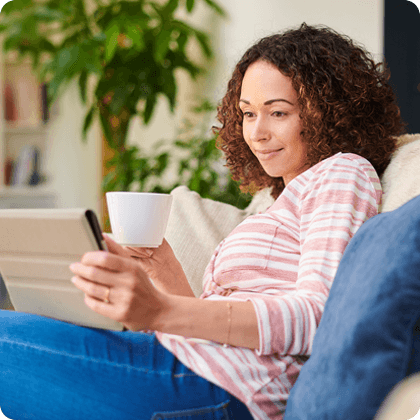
332,204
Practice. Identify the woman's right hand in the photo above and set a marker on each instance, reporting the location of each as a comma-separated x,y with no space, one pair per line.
162,267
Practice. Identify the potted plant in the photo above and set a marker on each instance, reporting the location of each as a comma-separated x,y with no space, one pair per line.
129,48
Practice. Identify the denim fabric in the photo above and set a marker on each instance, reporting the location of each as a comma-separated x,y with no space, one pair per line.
53,370
368,338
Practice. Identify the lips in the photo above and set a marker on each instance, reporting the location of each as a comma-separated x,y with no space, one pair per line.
266,154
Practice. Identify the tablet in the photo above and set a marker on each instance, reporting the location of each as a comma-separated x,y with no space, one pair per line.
36,248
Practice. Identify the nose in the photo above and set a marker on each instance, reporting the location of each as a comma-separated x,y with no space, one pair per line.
260,130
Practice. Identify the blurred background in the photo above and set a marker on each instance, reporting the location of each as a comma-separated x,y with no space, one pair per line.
116,108
67,171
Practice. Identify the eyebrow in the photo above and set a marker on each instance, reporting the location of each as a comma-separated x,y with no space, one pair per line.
267,102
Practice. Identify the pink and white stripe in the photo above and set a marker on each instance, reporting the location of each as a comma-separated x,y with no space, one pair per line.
284,262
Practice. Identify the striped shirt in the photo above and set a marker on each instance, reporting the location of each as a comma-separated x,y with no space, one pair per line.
284,262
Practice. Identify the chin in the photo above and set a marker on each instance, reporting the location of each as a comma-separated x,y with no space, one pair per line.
272,172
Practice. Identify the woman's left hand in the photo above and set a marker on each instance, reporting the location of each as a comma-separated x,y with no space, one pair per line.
115,286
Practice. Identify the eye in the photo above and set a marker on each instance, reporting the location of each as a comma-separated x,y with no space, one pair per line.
247,114
278,114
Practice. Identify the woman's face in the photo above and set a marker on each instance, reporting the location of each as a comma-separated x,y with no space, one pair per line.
271,122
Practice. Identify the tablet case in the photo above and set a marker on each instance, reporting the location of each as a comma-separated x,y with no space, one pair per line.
36,248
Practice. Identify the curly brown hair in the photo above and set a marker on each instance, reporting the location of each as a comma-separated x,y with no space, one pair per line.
346,103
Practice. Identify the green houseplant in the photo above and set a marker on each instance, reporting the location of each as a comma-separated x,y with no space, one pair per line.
129,48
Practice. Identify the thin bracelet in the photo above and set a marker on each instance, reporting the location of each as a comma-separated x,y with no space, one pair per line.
229,305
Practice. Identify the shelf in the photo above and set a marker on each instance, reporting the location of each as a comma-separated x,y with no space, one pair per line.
20,129
9,191
27,197
23,135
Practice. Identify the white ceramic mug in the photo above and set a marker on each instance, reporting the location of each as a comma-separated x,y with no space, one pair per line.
137,218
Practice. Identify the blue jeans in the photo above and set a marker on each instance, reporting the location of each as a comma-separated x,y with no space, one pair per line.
55,370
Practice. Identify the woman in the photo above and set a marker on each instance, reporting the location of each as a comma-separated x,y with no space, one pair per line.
307,113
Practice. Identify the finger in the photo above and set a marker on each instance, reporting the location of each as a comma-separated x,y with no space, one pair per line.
95,274
115,312
148,252
114,247
101,307
92,289
140,252
107,260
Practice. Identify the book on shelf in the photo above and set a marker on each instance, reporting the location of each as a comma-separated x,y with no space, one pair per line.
25,99
44,103
25,170
10,111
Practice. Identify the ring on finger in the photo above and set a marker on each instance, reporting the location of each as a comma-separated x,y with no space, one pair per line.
108,290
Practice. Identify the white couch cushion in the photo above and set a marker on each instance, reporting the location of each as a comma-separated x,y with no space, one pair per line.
401,179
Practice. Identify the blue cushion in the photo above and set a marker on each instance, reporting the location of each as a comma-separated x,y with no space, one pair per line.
368,338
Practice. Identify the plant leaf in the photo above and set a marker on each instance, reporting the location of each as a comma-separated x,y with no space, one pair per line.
204,42
181,60
88,121
119,99
9,7
92,55
136,36
169,8
218,9
107,130
66,65
148,110
109,181
45,45
162,45
111,41
82,84
190,5
53,88
169,88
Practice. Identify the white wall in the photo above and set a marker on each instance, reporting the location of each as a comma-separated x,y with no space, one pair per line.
73,167
250,20
77,167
